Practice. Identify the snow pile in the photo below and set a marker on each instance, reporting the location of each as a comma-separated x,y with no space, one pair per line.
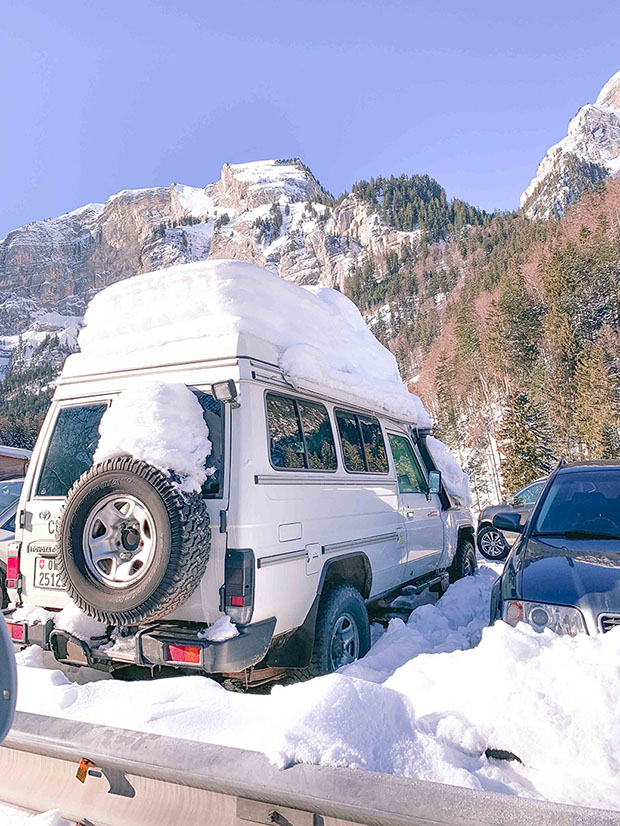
427,701
321,339
222,629
71,619
162,424
454,478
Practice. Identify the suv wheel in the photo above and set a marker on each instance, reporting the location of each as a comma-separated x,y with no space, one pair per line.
464,562
131,545
491,543
342,631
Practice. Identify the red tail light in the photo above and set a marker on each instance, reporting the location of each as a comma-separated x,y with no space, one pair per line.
12,567
184,654
16,631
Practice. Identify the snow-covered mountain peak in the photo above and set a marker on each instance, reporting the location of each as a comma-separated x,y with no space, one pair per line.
590,152
609,96
265,182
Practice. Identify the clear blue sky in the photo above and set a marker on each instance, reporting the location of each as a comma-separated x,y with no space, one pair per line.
103,96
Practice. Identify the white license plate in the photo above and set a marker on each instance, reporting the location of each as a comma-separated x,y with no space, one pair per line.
46,573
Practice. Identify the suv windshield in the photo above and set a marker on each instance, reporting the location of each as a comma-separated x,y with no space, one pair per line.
582,504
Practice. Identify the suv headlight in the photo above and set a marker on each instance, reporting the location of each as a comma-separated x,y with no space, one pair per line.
561,619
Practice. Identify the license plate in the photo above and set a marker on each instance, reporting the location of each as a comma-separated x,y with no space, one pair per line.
46,573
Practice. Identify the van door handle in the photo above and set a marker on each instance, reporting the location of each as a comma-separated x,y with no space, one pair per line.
410,514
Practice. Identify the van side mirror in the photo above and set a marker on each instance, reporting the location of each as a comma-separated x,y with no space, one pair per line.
8,680
508,522
434,481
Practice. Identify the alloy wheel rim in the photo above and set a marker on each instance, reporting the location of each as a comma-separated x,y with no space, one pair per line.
119,541
345,641
492,543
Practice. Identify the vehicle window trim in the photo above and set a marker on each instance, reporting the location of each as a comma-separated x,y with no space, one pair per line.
357,415
221,495
416,464
48,438
295,399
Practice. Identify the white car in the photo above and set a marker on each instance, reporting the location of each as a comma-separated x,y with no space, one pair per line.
315,507
10,490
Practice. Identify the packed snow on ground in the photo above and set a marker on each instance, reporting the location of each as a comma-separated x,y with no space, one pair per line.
320,336
455,480
427,701
10,816
160,423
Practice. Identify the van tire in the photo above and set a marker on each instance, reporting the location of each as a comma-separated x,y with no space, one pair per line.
464,562
337,601
180,549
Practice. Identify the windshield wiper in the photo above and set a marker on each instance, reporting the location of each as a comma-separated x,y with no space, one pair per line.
578,534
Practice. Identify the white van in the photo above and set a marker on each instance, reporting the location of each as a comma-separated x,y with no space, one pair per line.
314,509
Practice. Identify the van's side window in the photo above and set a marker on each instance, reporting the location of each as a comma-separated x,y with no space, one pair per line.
410,478
300,434
363,447
316,427
71,448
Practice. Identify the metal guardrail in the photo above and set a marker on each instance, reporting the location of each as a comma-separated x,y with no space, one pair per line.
136,778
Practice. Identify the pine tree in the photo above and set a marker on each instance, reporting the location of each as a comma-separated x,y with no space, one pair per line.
524,442
597,403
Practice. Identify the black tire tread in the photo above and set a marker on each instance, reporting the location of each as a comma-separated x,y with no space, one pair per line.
179,581
332,595
481,530
456,570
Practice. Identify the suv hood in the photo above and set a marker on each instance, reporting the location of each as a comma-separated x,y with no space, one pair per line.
572,572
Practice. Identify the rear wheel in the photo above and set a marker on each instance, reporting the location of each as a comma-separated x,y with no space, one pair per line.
342,631
491,543
464,562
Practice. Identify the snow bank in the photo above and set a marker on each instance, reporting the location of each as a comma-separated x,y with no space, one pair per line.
162,424
427,701
455,480
320,337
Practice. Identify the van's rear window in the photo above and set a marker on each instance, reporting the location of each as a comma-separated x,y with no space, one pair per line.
71,448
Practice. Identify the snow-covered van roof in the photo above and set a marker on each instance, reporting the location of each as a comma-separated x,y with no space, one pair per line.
217,309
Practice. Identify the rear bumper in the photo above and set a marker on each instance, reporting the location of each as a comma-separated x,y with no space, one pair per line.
152,648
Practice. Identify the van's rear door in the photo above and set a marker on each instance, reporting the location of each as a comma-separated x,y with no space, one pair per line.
69,441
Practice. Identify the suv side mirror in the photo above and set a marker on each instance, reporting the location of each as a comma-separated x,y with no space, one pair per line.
8,680
434,481
508,522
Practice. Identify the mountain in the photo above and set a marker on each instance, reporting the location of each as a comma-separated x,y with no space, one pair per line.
507,327
589,153
273,213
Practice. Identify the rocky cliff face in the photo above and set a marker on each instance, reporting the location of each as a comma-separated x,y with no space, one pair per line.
590,152
274,213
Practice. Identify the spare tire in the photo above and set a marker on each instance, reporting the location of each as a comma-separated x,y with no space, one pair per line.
131,546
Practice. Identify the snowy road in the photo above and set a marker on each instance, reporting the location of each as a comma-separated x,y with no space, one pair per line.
427,701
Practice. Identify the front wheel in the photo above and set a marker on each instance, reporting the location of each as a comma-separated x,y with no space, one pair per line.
342,631
491,543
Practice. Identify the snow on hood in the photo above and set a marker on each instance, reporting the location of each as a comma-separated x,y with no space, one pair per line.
454,478
162,424
321,338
